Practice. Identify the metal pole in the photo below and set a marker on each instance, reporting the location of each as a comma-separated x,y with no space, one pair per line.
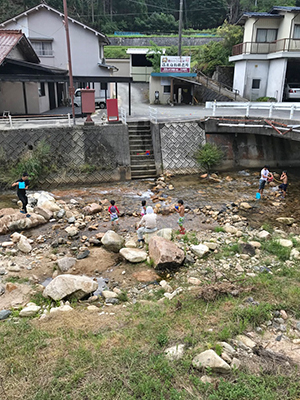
180,27
71,87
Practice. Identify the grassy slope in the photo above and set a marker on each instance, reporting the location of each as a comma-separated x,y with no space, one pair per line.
82,355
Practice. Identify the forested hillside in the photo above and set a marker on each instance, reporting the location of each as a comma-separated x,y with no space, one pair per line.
148,16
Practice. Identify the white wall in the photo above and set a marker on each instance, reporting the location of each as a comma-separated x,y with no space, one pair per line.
256,70
12,99
123,66
239,76
276,79
85,49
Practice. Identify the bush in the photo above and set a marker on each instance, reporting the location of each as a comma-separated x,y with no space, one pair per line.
267,99
209,155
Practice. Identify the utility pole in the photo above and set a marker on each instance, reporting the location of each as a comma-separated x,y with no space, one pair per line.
71,86
180,27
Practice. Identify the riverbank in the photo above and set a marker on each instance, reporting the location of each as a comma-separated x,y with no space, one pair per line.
240,277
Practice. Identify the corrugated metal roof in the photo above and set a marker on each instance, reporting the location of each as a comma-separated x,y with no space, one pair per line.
8,40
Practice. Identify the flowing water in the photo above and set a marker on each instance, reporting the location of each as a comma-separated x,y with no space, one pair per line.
193,190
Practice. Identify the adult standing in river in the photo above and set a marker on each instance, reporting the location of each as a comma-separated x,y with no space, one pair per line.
264,173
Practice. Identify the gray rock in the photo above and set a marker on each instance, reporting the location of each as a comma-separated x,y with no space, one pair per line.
60,213
3,271
72,231
47,214
64,264
133,255
13,268
165,233
83,254
210,359
71,220
175,352
189,260
24,245
112,241
4,314
70,285
30,310
247,248
200,250
112,300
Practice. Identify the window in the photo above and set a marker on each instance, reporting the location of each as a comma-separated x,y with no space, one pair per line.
42,48
255,83
167,89
296,31
42,89
266,35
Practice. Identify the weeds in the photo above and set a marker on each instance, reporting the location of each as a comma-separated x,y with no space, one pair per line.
219,229
274,247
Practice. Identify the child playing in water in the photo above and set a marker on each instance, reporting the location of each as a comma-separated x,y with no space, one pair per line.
143,209
22,185
284,184
180,210
114,213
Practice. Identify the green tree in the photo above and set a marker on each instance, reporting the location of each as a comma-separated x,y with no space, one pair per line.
208,156
203,14
217,53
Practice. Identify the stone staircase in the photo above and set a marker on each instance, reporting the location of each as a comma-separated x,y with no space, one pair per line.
141,150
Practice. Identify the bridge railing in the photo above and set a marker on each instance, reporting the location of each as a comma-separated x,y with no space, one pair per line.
12,122
271,107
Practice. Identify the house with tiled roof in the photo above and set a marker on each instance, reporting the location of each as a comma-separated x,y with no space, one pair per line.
44,28
269,57
18,58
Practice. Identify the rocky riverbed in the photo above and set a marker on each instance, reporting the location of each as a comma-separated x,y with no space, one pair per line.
67,250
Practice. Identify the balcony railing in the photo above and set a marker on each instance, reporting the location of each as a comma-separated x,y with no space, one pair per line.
266,48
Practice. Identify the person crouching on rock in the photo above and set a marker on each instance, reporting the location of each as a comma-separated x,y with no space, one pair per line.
22,185
146,225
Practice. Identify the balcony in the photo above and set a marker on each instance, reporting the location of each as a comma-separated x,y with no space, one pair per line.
266,47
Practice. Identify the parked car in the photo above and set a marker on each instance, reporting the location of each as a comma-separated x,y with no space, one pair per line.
99,101
292,91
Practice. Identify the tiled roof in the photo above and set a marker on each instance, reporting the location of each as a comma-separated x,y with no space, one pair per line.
8,40
246,15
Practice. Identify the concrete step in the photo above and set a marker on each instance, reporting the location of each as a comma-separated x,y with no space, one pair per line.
143,167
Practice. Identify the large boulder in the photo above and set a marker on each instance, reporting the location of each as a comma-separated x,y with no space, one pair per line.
13,220
24,245
47,214
210,359
133,255
112,241
70,285
93,208
165,233
165,254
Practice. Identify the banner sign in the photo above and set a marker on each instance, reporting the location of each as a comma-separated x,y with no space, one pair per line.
175,64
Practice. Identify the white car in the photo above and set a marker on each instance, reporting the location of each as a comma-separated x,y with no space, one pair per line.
100,102
292,91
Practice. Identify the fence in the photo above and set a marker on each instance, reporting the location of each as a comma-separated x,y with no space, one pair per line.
123,115
12,122
270,107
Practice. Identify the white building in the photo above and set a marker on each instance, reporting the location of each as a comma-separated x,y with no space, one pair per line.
44,27
269,56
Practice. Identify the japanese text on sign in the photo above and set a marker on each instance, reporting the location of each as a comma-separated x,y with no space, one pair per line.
175,64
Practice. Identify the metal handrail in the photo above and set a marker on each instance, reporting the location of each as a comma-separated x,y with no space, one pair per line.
285,44
16,120
236,92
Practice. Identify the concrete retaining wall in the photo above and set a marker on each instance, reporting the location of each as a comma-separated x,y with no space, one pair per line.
161,41
81,154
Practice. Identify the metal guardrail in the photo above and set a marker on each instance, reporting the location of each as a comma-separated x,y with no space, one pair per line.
220,85
153,114
123,115
291,107
15,122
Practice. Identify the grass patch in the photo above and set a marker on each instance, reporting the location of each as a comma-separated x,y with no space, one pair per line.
219,229
274,247
16,279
